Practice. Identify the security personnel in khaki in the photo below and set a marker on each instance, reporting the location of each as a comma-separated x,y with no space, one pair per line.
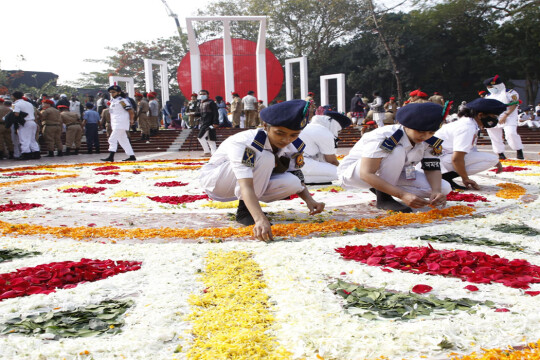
437,98
193,107
260,107
142,116
73,129
236,109
106,120
52,127
5,134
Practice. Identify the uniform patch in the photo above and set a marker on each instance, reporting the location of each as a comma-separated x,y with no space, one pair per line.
298,160
514,97
391,142
249,157
436,145
123,103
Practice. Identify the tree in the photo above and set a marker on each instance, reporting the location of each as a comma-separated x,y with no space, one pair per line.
128,60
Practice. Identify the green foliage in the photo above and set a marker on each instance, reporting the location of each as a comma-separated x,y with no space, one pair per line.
10,254
520,229
372,303
91,320
456,238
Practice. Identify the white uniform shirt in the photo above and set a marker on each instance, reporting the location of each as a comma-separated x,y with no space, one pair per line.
460,135
24,106
250,102
119,113
506,97
232,150
369,147
319,142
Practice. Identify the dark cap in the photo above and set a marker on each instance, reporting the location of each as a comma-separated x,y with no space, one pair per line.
291,114
421,116
488,106
343,120
115,88
493,81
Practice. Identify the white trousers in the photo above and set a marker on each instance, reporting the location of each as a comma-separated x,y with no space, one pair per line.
208,146
319,171
392,171
16,143
119,136
531,124
497,141
220,183
475,162
379,118
27,137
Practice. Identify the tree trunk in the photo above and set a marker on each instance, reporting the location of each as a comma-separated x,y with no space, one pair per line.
382,38
531,90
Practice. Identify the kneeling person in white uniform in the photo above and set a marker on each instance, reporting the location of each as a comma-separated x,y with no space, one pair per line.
122,117
320,137
460,155
261,165
384,160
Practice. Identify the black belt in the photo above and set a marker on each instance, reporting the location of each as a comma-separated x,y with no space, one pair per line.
52,125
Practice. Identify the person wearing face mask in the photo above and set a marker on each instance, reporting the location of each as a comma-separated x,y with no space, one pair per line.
385,160
209,114
262,165
460,156
320,137
122,117
508,120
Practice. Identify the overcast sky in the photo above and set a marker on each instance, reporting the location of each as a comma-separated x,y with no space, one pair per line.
58,35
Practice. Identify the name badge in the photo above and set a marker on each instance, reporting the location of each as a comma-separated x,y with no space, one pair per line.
410,172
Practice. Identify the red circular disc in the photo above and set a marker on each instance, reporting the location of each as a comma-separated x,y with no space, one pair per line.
244,63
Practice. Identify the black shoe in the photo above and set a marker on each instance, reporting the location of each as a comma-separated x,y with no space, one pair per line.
36,155
68,152
450,176
98,151
131,158
89,151
387,202
243,216
110,158
1,155
11,155
519,154
321,183
25,156
51,154
59,153
502,157
76,152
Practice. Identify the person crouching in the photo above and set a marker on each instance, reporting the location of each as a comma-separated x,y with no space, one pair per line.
261,165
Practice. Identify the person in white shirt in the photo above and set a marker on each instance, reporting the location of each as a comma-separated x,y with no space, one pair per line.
377,106
384,160
508,120
122,117
460,155
26,132
530,119
250,109
321,137
261,165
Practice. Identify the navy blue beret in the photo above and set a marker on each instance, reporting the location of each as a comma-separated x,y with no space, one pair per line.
115,88
488,106
89,105
421,116
343,120
493,80
292,114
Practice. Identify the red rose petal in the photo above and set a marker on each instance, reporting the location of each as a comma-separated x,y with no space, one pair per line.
421,289
471,288
502,310
532,293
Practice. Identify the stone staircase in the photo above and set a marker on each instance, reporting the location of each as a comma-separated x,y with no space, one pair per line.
186,140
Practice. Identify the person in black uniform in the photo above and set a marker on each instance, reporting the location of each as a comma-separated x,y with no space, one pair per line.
209,115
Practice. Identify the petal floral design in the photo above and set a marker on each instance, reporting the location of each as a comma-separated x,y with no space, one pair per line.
11,206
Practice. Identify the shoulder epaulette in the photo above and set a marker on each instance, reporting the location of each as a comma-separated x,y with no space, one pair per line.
391,142
299,145
259,140
436,144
